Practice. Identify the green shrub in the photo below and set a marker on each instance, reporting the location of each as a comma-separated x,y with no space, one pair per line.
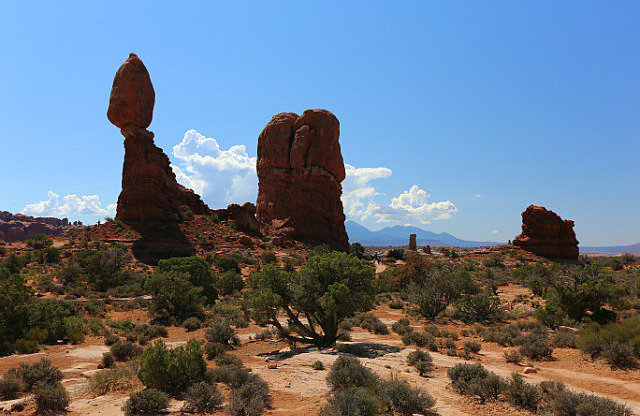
172,370
10,386
225,264
230,282
421,360
198,271
149,401
402,399
367,321
521,394
111,339
124,351
595,339
192,324
352,401
480,307
348,372
567,402
317,365
202,397
474,380
221,332
396,304
250,398
51,398
268,258
173,295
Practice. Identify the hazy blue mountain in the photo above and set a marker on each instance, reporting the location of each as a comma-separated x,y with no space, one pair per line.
399,236
632,249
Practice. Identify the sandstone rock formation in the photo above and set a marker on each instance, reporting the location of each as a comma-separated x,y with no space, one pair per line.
412,242
300,168
244,217
544,233
19,227
150,191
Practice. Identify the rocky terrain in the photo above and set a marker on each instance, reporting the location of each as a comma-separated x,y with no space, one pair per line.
20,227
546,234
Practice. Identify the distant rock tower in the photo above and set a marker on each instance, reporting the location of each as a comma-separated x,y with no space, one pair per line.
544,233
150,191
300,168
412,242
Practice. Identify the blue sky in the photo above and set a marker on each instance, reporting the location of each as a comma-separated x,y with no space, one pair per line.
455,116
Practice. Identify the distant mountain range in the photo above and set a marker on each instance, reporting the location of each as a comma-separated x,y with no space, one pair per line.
632,249
399,236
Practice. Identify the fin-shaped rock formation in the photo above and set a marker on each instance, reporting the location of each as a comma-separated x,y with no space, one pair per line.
546,234
300,169
150,191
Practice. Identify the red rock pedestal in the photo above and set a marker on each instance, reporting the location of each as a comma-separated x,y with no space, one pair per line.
150,191
544,233
300,168
412,242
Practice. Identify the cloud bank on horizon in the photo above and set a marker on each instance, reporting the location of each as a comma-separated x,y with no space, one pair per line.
222,177
70,206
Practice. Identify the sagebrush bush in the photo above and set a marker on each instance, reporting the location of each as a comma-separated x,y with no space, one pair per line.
564,338
520,393
472,347
474,380
108,359
619,356
317,365
202,397
51,398
537,349
348,372
191,324
145,402
10,386
513,357
420,339
250,398
228,374
220,331
350,402
124,351
567,402
401,326
118,378
369,322
401,398
38,373
421,360
396,304
214,349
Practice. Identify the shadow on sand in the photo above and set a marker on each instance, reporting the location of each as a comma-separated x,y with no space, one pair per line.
159,240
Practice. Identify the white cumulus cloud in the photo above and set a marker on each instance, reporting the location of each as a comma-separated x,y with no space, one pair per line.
357,192
495,232
70,206
220,177
413,206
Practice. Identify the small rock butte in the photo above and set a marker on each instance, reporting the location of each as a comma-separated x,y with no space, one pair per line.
546,234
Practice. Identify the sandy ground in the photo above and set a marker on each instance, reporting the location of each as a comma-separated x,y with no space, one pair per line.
297,389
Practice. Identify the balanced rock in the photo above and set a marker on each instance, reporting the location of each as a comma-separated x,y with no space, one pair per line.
546,234
300,169
412,242
150,191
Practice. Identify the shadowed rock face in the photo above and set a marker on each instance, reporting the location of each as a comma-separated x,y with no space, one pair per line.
546,234
300,168
150,191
